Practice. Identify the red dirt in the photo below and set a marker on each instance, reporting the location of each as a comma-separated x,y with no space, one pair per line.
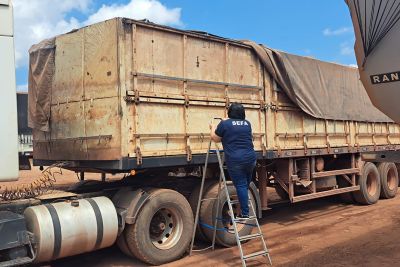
63,180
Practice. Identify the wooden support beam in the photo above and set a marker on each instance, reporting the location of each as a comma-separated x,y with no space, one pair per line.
353,165
291,182
262,186
312,170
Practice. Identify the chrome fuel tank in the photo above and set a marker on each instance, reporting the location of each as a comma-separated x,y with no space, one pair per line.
68,228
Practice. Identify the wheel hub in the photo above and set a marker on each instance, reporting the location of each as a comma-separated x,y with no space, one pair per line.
165,228
162,226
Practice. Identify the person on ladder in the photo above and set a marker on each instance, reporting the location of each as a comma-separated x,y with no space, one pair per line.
237,140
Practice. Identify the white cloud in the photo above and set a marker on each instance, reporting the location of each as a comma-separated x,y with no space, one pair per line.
353,65
36,20
346,49
139,9
22,88
335,32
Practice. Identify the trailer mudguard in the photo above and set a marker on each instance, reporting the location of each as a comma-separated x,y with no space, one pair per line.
128,203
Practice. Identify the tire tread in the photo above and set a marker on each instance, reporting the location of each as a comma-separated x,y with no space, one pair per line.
132,234
362,196
383,169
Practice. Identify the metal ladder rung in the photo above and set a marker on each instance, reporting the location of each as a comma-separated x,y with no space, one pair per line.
215,151
249,237
246,219
255,254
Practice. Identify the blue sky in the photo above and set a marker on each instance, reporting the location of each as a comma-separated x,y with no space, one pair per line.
321,29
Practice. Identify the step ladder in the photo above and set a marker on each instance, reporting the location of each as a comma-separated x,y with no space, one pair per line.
252,220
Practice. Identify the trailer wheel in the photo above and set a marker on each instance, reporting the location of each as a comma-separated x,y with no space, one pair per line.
370,185
389,179
207,215
193,200
163,228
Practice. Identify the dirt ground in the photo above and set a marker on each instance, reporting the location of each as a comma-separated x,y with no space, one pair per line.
322,232
64,178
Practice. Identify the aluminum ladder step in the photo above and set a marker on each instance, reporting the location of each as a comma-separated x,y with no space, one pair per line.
245,219
255,254
249,237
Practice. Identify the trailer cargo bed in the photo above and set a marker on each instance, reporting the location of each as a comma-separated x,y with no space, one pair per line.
125,94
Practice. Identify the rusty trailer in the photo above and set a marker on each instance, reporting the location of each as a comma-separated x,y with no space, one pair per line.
127,95
134,93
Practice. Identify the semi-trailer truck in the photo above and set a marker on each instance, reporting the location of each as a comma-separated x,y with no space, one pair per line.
133,97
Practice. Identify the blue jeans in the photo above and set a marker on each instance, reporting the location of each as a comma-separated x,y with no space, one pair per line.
241,175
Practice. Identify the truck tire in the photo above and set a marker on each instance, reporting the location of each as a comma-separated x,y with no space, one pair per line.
370,185
193,200
398,168
121,243
163,228
389,179
207,215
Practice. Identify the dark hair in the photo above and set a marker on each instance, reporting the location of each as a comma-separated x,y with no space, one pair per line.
236,111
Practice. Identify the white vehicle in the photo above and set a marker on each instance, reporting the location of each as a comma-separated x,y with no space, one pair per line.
8,100
376,26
